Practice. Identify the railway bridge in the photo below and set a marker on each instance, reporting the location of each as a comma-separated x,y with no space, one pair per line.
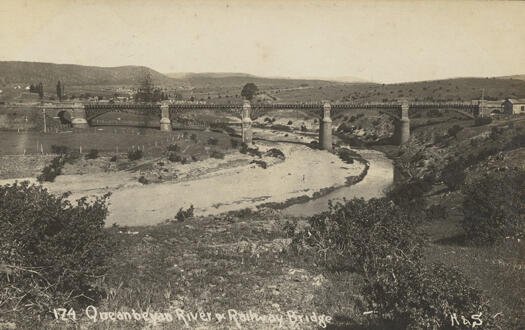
82,115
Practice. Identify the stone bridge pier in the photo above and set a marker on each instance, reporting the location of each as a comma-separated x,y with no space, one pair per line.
247,134
165,122
325,129
78,116
403,125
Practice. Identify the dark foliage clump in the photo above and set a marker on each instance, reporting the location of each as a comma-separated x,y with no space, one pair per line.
92,154
58,149
261,163
173,157
51,250
174,147
213,141
494,207
274,152
183,215
217,154
378,240
134,154
454,130
480,121
348,156
51,171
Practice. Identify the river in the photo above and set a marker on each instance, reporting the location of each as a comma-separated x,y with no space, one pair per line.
380,177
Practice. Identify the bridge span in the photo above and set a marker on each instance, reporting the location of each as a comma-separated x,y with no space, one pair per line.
169,113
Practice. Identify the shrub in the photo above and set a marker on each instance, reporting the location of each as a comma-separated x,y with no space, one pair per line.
113,158
261,163
480,121
92,154
58,149
494,207
134,154
411,295
72,157
274,152
377,239
143,180
453,174
173,157
217,154
436,212
184,214
454,130
174,147
194,158
362,233
54,249
348,155
213,141
51,171
234,143
290,122
193,137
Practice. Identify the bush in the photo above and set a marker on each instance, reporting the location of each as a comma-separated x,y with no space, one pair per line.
193,137
416,296
174,147
261,163
92,154
274,152
234,143
213,141
54,249
454,130
60,150
173,157
217,154
134,154
113,158
143,180
72,157
184,214
494,207
51,171
377,239
480,121
290,122
453,174
436,212
361,233
348,156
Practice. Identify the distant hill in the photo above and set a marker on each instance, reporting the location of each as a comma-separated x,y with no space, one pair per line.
189,75
517,76
457,89
75,75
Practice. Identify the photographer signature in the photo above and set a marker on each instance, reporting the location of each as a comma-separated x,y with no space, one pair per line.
473,321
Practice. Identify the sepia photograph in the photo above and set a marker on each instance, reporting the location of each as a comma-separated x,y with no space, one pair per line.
262,164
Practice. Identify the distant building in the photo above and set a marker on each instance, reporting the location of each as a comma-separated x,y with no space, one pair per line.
514,106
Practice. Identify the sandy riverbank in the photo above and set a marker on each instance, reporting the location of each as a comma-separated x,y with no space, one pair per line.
304,172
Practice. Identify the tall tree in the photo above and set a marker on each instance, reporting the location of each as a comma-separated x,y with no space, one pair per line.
249,90
40,90
59,91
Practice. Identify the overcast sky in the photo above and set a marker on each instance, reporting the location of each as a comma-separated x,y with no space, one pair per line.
380,41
